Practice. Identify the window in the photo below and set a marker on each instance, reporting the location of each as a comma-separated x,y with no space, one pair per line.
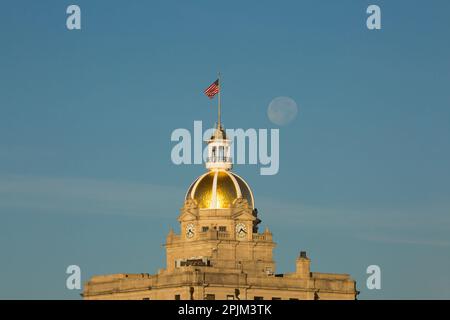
276,298
222,228
230,297
210,297
258,298
177,297
204,229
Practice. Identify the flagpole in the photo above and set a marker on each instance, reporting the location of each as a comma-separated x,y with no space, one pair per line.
218,98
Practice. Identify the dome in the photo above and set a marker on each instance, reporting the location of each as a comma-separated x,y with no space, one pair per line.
217,189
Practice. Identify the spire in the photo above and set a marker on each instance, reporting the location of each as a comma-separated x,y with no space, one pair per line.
219,147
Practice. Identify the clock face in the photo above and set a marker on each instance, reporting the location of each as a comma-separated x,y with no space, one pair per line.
190,230
241,230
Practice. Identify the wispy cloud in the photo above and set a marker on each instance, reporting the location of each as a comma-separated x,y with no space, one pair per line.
87,196
96,196
419,225
352,217
404,240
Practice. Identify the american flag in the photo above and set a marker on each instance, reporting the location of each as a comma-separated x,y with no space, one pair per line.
213,89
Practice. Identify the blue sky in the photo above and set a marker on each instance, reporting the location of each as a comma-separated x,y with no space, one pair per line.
86,117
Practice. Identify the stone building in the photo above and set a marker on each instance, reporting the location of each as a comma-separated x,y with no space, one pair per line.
220,253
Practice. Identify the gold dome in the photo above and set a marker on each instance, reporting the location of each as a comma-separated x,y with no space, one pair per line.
217,189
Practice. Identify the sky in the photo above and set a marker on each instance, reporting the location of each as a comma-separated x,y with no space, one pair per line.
86,117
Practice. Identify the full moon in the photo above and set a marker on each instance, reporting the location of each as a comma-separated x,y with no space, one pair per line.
282,110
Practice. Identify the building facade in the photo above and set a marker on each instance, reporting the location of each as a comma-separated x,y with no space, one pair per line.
219,252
